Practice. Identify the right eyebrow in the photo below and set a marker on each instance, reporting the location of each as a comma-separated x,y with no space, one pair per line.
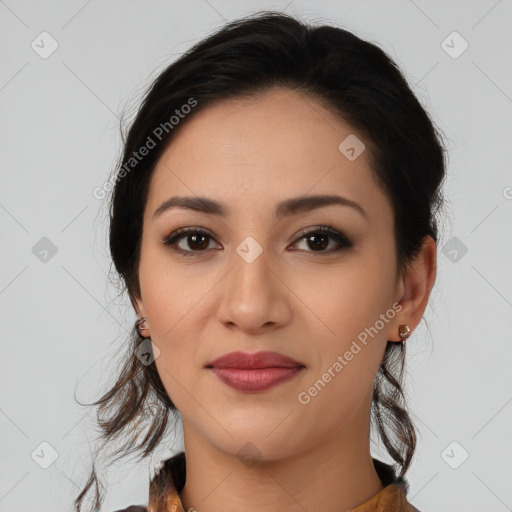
285,208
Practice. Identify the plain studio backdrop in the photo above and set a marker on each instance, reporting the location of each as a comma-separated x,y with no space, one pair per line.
68,69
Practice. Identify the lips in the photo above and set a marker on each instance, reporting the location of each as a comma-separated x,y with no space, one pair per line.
255,372
245,361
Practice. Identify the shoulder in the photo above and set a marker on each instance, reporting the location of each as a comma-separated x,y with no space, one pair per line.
133,508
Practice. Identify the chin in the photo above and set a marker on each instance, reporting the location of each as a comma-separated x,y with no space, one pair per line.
255,445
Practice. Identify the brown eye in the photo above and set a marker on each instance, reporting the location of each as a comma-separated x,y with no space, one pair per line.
194,241
197,241
318,240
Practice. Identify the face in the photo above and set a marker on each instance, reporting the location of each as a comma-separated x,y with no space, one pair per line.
257,278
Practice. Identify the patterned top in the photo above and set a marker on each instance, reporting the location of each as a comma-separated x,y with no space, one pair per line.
166,485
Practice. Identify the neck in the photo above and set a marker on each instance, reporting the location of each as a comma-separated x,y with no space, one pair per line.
337,474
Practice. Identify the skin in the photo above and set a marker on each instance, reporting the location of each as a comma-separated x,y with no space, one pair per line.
307,303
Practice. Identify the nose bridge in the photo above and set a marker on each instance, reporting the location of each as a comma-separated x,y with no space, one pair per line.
251,267
252,296
251,273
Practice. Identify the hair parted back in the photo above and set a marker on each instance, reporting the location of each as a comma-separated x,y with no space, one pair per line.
355,80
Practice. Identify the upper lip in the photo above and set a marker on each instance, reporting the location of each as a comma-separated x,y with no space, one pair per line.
245,360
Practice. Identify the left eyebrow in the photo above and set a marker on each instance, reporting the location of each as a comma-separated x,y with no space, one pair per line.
285,208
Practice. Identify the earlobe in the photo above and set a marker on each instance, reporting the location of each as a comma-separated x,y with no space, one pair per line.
415,287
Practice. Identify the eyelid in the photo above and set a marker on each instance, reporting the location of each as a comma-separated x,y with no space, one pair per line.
180,233
335,234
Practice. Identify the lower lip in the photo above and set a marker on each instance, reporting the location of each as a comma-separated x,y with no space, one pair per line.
256,380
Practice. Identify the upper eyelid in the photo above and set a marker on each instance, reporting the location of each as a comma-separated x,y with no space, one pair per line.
181,233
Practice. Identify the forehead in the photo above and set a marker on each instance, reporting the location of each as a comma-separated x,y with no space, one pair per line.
248,151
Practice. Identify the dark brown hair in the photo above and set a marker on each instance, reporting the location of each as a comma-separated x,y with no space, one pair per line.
353,78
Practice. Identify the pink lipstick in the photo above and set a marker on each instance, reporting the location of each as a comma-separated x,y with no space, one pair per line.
255,372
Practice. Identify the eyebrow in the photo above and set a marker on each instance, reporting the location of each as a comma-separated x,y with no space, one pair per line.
285,208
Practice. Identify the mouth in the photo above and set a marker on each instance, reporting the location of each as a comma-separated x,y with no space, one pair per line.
255,372
258,360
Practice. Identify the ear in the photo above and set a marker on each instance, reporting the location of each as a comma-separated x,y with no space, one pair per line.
413,289
138,307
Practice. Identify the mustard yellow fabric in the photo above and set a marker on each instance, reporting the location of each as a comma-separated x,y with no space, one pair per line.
170,479
391,499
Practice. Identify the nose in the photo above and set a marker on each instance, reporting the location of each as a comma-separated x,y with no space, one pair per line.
254,297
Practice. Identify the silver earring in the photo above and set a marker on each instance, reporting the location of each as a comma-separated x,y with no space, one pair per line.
141,324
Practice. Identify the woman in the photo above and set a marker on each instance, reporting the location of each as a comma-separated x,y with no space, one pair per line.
274,222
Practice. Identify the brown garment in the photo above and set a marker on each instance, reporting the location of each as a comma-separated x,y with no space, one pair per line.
169,481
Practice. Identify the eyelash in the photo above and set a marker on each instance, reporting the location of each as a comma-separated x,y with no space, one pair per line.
339,237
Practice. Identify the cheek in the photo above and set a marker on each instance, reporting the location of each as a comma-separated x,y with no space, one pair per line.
346,299
347,349
171,303
172,293
346,308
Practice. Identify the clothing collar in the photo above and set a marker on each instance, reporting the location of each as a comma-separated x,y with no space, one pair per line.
169,481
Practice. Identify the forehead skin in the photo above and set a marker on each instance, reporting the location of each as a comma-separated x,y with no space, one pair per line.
252,153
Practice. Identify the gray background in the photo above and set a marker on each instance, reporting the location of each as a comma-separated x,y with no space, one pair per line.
63,324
